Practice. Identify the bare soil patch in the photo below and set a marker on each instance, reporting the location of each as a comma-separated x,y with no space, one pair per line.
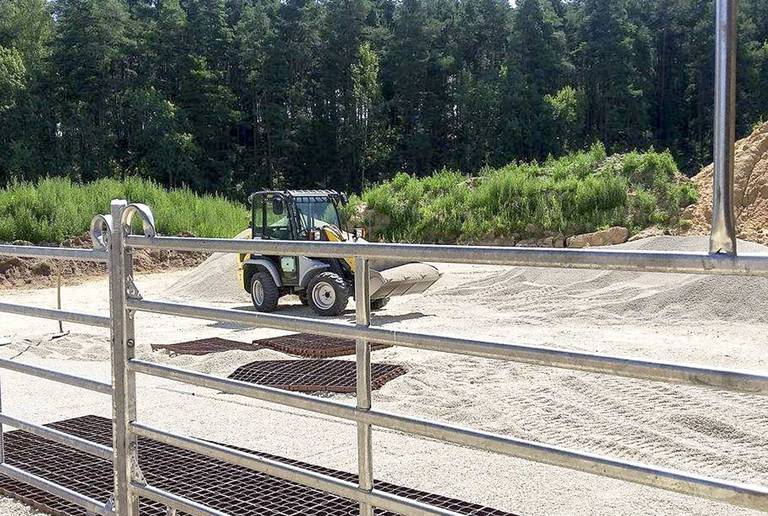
43,273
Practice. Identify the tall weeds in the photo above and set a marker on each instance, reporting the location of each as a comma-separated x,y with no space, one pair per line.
53,209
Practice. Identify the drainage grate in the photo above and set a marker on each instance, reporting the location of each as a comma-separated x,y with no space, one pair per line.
313,346
204,346
231,489
313,375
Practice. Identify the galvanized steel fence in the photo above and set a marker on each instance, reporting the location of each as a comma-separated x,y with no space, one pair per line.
114,243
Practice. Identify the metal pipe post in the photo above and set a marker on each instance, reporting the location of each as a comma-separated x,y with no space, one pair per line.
363,348
123,408
2,434
722,239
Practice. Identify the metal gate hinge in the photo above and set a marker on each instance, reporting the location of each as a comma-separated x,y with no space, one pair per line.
110,505
136,474
131,290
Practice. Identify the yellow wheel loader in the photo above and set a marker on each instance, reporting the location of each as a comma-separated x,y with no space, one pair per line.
325,284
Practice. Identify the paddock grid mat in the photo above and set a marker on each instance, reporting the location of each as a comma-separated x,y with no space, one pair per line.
313,375
313,346
228,488
204,346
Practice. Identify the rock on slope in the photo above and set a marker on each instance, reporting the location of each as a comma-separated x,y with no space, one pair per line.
750,190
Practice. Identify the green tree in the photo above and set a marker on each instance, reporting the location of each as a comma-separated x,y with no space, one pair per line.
539,54
608,59
91,59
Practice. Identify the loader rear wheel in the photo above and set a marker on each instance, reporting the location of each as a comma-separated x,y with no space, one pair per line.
264,292
328,293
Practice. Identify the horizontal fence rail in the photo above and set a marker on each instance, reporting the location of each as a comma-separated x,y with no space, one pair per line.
738,381
603,259
56,253
84,445
87,503
57,376
56,315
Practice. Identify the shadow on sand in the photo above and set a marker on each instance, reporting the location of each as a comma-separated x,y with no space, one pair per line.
304,311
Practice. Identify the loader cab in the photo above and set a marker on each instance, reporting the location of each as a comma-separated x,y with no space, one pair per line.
294,214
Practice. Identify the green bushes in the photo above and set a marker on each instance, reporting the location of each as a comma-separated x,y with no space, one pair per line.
54,209
578,193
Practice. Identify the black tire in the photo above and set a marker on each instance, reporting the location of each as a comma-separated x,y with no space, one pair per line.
328,294
378,304
303,299
264,292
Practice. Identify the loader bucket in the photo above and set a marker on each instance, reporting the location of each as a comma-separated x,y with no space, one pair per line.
402,279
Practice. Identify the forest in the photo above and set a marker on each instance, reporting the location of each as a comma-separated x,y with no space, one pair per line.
229,96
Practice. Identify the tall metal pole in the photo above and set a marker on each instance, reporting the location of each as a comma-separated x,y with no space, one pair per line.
2,437
363,347
124,395
722,239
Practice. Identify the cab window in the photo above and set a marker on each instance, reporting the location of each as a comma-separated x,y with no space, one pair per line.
277,224
316,214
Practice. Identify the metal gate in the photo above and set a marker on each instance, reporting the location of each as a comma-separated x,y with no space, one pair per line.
114,244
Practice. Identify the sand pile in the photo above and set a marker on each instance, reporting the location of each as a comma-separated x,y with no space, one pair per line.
535,296
215,280
750,190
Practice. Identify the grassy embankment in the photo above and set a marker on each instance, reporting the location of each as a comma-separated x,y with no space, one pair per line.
574,194
55,209
578,193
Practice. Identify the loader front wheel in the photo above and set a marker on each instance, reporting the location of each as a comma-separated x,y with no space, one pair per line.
328,293
264,292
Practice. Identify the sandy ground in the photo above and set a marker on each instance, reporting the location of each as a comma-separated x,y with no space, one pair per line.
705,320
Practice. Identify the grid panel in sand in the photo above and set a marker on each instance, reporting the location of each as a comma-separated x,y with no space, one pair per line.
313,375
204,346
312,346
231,489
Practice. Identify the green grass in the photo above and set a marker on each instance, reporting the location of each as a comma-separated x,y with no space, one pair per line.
52,210
574,194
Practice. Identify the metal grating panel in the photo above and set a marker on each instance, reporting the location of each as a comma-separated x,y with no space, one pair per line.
313,375
313,346
232,489
204,346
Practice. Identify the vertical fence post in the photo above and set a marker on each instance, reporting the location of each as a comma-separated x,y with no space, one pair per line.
123,383
2,433
363,348
722,238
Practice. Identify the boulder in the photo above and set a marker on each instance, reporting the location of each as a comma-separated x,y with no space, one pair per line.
652,231
611,236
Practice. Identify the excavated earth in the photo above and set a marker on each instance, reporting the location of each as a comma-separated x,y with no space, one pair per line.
750,190
41,273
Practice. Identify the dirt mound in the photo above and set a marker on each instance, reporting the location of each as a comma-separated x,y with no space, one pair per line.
42,273
750,190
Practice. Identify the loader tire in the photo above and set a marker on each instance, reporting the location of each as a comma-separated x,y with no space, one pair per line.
328,294
264,292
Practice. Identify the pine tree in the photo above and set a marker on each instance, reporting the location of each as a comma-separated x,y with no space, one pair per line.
91,59
539,55
608,57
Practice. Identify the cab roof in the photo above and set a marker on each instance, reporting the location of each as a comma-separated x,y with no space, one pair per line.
316,194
